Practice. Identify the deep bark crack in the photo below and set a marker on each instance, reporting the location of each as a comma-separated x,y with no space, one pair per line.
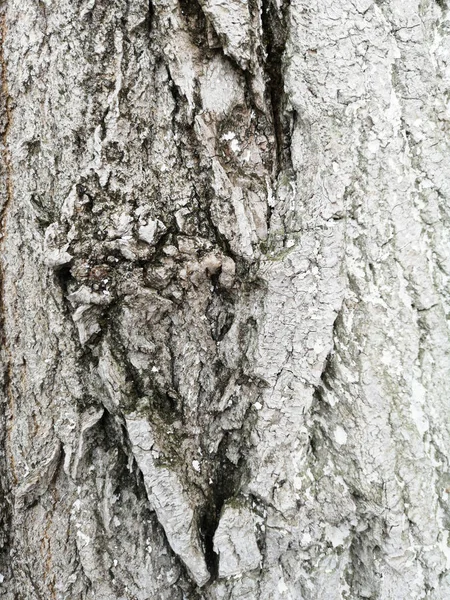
274,23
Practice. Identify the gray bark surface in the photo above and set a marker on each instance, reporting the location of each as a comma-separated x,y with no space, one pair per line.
224,264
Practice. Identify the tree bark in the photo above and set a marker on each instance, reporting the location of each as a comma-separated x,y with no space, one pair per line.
224,263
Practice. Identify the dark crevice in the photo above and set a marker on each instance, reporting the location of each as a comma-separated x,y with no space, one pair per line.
64,278
207,524
328,368
320,407
177,96
196,21
150,16
274,40
226,482
314,443
227,477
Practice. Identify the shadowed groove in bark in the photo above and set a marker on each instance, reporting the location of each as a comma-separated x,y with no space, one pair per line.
150,16
196,21
274,23
227,479
226,482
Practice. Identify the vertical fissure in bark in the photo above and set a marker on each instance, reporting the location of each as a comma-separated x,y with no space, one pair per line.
150,16
208,522
225,484
64,277
274,25
319,406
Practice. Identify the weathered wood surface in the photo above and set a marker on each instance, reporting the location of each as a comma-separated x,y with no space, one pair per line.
224,265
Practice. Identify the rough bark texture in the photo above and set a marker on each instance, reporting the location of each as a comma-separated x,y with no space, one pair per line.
224,265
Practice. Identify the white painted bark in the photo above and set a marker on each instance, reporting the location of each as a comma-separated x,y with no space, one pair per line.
224,264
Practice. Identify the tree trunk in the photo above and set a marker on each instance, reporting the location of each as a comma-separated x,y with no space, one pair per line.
225,265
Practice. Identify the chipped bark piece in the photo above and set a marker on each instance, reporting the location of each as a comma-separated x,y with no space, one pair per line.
235,541
232,22
168,499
